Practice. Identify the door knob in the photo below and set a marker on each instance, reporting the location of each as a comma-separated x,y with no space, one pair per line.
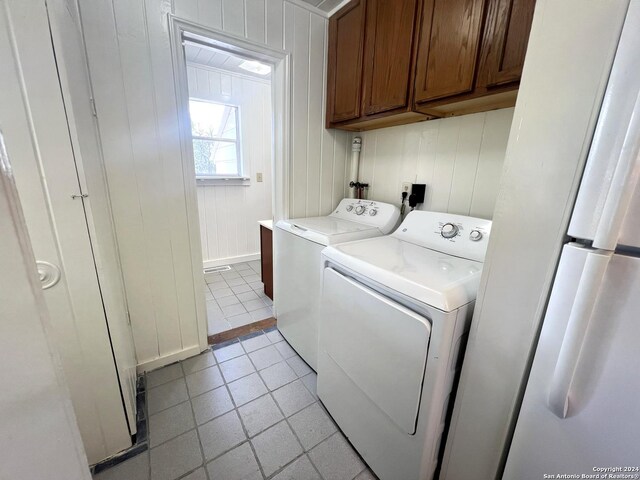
49,274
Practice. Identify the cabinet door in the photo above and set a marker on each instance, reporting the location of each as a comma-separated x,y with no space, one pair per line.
504,43
346,38
448,46
387,54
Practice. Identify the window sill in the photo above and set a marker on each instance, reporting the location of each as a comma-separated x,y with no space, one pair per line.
223,181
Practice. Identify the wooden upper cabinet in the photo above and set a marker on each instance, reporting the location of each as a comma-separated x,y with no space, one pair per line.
388,55
448,46
504,43
392,62
344,71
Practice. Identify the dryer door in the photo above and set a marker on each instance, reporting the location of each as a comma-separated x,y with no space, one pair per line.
379,344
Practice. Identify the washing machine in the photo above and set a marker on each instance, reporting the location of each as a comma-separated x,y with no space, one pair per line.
395,312
298,267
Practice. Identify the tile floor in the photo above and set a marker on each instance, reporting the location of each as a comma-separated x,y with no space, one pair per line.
246,411
236,297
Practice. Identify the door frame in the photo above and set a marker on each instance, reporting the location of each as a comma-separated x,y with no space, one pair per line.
67,39
280,62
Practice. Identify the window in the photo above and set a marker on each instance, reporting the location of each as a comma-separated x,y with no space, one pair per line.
216,147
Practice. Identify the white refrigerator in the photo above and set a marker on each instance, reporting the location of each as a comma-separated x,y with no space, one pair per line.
581,409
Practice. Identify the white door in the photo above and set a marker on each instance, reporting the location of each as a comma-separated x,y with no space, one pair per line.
580,409
379,344
66,36
39,437
608,202
33,120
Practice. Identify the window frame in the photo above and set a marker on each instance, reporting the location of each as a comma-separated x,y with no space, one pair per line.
227,179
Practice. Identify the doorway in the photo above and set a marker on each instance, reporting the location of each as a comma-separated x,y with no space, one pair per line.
233,104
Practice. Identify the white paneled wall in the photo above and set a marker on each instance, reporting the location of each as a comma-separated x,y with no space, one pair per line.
459,159
229,214
132,74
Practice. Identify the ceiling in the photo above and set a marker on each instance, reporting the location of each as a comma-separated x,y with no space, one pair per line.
211,57
324,5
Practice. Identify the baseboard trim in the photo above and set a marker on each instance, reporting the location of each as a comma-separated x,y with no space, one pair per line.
230,260
240,331
168,359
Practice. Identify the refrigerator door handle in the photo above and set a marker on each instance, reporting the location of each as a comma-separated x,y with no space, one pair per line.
581,311
622,187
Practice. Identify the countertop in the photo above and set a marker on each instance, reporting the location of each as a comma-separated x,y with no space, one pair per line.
266,224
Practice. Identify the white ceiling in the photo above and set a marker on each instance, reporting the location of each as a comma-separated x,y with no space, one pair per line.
324,5
210,57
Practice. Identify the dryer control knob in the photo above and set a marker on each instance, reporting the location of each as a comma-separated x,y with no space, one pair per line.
475,235
349,208
373,212
449,230
359,209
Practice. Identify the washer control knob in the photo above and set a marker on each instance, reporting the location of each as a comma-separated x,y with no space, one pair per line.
359,209
373,212
475,235
349,208
449,230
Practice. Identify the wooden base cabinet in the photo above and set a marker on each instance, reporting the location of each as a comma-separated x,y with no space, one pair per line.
413,60
266,259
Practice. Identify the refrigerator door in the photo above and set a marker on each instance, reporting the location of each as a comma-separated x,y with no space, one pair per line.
608,200
595,425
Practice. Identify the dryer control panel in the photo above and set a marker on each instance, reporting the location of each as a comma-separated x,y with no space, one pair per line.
457,235
369,212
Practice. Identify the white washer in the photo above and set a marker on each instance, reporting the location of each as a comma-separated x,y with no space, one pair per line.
394,318
298,267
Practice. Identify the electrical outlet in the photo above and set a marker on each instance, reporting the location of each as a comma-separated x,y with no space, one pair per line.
406,186
258,177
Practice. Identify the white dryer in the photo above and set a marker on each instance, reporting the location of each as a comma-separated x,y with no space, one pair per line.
298,267
395,313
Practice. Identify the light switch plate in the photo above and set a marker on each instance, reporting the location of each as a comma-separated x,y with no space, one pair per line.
258,177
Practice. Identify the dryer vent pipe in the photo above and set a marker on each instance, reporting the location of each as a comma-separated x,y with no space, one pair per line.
356,146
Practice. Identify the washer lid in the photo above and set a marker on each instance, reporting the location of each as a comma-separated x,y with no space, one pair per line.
428,276
328,230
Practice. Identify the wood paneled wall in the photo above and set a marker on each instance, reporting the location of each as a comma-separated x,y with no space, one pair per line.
459,159
229,214
130,62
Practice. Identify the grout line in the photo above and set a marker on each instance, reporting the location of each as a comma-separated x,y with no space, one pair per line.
234,409
270,393
246,432
304,452
175,436
249,439
204,460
